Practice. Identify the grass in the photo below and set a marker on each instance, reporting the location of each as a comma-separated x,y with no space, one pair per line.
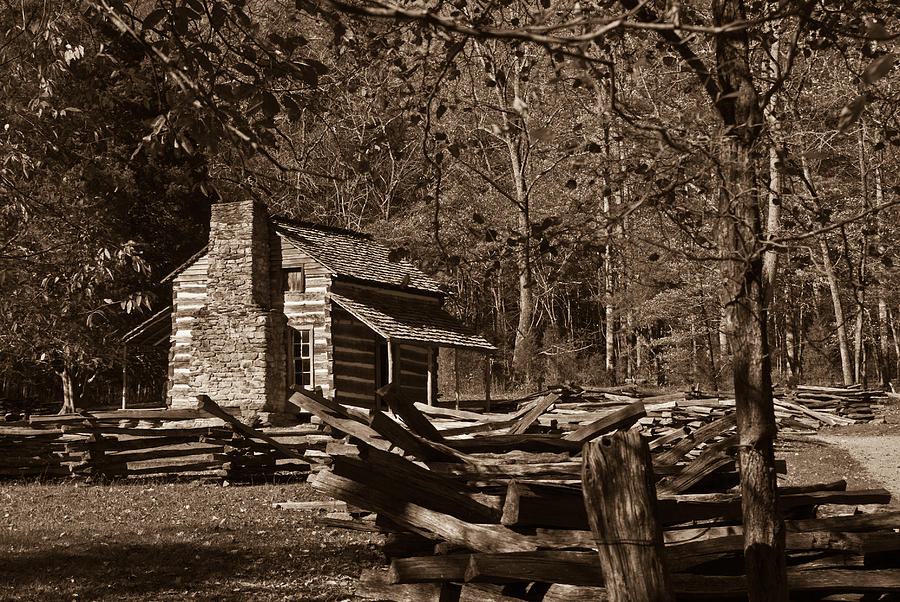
155,540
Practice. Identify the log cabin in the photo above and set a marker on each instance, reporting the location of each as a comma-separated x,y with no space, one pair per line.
270,304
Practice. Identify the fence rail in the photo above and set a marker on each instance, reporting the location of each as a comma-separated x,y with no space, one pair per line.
138,443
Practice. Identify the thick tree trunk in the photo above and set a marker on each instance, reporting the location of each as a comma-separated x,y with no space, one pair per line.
526,308
695,365
884,355
740,239
792,344
629,341
724,349
745,325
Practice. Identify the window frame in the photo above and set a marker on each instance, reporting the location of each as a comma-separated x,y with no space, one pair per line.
286,286
293,359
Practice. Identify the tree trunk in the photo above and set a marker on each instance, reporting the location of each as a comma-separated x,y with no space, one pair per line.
627,346
71,390
609,331
840,324
858,343
792,345
724,348
745,325
859,295
773,219
526,307
896,342
740,237
884,354
695,367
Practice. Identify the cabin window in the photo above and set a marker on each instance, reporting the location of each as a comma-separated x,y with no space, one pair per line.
300,370
295,280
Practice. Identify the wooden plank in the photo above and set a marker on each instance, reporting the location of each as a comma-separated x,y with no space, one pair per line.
164,453
463,414
538,407
208,405
711,459
325,505
374,586
859,543
550,566
429,569
338,417
18,431
166,415
179,468
565,567
302,397
676,434
479,471
411,443
396,476
562,509
825,581
505,443
407,411
211,431
558,592
620,419
701,435
854,522
473,428
114,445
479,537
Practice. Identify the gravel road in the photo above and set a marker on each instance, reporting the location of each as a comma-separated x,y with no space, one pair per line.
878,453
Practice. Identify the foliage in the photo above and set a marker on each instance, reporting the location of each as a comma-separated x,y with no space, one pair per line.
85,216
565,158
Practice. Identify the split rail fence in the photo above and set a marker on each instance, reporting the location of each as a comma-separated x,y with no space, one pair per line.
141,443
503,507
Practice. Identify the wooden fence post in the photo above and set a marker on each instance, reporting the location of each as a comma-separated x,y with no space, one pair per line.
620,500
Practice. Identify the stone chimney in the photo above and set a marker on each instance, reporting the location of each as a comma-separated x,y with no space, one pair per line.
235,335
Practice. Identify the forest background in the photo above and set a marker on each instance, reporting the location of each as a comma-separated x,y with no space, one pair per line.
567,195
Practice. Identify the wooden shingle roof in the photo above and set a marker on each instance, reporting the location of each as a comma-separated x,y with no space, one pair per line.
410,321
356,256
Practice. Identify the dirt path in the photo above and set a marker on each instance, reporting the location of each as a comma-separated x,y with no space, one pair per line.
879,454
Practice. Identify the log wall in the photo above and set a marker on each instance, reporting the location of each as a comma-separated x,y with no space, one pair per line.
306,310
355,347
189,302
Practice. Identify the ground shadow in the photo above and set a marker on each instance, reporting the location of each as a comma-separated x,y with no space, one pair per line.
152,571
